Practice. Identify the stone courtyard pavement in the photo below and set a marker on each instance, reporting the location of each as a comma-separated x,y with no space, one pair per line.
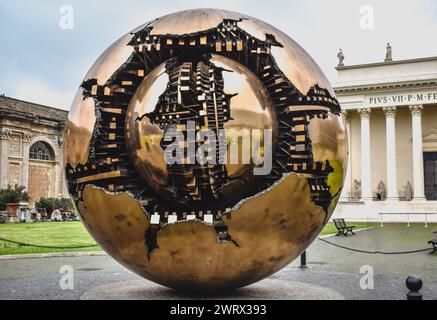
334,273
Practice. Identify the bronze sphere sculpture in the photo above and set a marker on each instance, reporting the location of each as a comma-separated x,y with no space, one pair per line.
183,210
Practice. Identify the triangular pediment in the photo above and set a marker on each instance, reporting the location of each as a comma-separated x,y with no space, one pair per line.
430,135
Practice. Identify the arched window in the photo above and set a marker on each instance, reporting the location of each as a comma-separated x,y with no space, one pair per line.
41,151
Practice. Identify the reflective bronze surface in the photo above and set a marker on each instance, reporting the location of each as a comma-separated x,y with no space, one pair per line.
252,108
205,226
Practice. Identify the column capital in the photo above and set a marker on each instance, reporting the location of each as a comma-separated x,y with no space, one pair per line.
27,137
346,114
390,112
416,110
364,113
5,134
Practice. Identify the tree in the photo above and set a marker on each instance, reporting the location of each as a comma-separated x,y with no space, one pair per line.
51,204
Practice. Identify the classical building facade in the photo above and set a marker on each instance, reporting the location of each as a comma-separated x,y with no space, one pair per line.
391,116
30,148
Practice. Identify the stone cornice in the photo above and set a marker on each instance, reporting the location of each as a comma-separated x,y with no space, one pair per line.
386,85
385,63
57,124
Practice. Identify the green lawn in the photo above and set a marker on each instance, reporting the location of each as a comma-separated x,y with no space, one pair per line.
69,234
64,234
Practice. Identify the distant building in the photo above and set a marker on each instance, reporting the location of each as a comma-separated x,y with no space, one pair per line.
30,148
391,115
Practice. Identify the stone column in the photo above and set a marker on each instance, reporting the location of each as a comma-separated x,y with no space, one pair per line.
27,137
390,124
5,134
366,189
418,174
347,189
58,172
62,182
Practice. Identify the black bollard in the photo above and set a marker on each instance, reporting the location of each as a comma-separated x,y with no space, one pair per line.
303,260
414,284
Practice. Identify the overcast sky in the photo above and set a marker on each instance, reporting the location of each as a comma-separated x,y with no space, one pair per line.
42,63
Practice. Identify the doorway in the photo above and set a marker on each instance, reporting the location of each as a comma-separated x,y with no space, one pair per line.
430,168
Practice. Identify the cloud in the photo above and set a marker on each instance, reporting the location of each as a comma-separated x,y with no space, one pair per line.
39,92
325,26
54,61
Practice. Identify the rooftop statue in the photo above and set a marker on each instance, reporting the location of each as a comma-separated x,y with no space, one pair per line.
340,57
388,55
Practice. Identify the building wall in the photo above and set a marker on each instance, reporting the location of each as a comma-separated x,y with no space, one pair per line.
377,148
404,148
41,178
355,151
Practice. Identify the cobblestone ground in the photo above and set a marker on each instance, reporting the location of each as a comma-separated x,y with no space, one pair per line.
335,269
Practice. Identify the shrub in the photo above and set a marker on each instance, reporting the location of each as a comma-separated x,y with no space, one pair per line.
12,195
51,204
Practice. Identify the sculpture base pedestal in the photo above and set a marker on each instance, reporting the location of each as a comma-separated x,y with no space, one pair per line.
277,289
